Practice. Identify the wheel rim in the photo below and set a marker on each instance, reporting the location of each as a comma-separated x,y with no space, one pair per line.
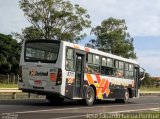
90,95
126,96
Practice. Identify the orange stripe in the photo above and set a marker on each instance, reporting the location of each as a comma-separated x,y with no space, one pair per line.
106,86
100,86
107,92
98,91
102,83
89,78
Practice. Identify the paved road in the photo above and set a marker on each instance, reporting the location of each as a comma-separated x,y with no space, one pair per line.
41,109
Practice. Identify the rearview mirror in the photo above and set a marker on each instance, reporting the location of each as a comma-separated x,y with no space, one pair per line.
142,74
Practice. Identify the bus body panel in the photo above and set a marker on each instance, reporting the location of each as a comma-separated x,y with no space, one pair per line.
109,87
69,87
39,77
106,87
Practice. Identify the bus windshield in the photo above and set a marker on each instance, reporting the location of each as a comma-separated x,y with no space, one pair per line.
41,50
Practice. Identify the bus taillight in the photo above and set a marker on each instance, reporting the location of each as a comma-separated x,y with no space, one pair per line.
52,76
20,74
59,77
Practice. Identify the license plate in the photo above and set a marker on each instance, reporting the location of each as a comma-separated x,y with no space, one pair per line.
38,82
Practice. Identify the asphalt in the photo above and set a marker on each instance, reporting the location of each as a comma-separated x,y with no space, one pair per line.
42,109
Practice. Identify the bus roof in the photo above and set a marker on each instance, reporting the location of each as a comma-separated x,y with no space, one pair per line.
95,51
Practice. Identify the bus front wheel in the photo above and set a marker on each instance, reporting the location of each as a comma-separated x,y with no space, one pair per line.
89,96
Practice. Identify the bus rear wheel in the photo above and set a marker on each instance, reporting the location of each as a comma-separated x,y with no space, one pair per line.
126,98
89,96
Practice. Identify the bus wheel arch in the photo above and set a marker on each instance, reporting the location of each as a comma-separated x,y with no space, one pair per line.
130,92
125,99
94,88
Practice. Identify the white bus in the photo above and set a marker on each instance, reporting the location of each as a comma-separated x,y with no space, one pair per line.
60,70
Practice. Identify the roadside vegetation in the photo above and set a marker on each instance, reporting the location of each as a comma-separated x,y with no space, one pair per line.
8,85
150,83
150,88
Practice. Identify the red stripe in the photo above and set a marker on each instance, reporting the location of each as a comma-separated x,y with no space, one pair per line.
98,78
106,85
87,49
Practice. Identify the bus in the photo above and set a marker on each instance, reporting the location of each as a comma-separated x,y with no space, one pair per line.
62,70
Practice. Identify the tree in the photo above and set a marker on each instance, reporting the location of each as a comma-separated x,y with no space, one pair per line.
112,36
148,81
9,54
54,19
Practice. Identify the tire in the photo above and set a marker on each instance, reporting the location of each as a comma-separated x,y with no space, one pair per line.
89,96
126,98
55,99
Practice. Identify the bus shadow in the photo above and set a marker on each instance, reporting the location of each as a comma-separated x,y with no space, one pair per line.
66,103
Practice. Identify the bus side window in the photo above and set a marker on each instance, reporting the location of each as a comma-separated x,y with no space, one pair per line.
131,74
107,66
89,60
119,69
126,70
104,66
129,71
69,59
115,68
92,64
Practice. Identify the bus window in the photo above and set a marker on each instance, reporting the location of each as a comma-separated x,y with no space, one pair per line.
93,69
90,58
126,66
109,62
130,67
107,67
119,69
96,59
41,51
131,76
104,61
69,59
121,65
92,65
126,70
129,71
50,55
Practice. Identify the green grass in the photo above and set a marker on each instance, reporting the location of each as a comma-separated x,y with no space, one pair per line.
8,85
142,88
149,88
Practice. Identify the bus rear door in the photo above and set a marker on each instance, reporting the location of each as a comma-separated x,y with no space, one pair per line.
79,73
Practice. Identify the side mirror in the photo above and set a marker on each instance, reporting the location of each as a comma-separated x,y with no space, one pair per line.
142,74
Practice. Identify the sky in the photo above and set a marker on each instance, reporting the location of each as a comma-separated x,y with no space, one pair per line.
142,18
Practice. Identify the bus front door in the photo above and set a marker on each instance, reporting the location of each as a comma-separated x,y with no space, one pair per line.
79,76
136,81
